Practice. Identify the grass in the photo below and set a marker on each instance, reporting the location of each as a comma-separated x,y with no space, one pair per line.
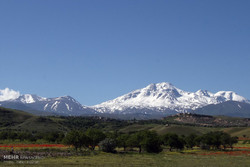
185,129
238,131
186,158
40,124
166,159
137,127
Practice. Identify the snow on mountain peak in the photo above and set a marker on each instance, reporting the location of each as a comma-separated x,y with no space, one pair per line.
204,93
29,98
165,95
231,96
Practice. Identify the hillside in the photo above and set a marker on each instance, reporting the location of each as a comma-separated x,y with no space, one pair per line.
229,108
182,124
23,121
207,120
10,117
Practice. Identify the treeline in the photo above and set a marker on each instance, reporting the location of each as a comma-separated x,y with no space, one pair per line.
148,141
54,137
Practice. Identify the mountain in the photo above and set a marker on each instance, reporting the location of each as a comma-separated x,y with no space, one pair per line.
165,98
228,108
65,105
153,101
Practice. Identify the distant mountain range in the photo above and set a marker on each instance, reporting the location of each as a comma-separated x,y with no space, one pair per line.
65,105
154,101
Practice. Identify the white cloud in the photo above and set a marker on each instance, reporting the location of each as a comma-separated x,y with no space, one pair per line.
8,94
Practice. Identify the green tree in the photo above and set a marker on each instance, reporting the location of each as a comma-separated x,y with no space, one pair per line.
216,140
95,136
135,140
76,138
228,141
108,145
173,141
146,140
122,141
191,140
25,136
12,135
151,142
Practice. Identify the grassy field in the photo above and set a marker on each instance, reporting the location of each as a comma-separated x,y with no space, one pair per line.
133,160
185,129
239,157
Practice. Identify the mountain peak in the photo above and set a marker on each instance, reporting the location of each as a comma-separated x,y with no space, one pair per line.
160,86
164,97
203,93
231,96
30,98
165,85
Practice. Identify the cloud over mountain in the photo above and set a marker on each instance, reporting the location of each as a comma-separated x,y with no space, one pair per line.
8,94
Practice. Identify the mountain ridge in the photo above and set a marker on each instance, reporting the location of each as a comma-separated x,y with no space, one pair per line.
162,96
153,101
64,105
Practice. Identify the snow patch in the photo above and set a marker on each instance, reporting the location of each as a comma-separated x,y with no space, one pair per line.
45,106
55,105
67,105
239,106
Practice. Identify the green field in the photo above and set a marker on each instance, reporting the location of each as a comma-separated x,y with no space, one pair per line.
239,157
134,160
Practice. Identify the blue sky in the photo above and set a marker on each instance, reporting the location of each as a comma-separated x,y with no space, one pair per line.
96,50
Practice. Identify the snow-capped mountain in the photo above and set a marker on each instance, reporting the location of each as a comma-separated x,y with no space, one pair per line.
65,105
154,101
165,97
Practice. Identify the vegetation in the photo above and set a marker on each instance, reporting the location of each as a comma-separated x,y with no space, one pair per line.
77,139
124,139
108,145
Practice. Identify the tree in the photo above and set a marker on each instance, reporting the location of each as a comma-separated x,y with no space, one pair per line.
151,142
3,135
232,141
25,136
173,141
146,140
108,145
191,140
135,140
95,136
76,138
228,141
122,141
216,140
12,135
